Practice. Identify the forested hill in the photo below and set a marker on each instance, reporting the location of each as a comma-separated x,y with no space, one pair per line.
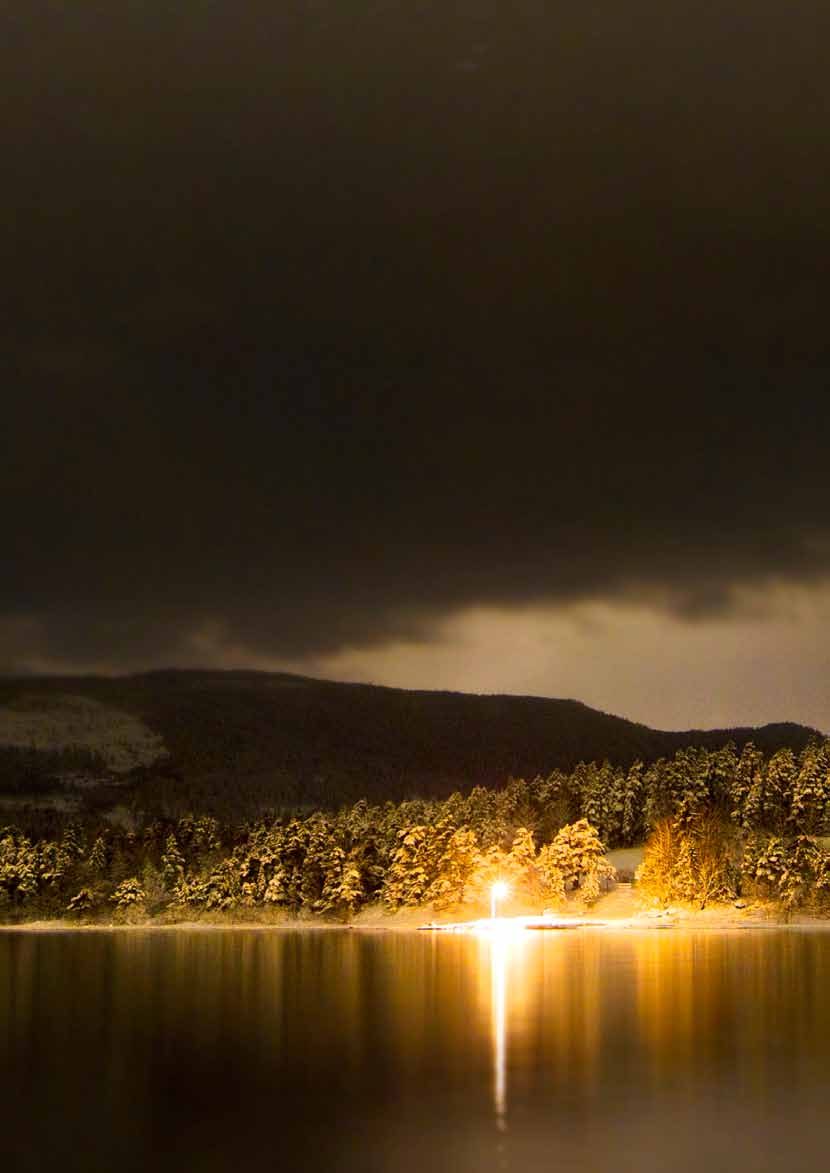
240,742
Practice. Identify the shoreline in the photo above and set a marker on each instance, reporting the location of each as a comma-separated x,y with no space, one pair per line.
717,919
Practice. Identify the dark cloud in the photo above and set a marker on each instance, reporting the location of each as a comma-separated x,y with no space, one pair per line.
323,321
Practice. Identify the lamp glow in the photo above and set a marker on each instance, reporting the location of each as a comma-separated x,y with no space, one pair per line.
498,892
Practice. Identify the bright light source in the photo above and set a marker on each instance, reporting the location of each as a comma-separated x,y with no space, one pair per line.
497,892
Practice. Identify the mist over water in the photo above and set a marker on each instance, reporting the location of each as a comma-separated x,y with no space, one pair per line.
318,1050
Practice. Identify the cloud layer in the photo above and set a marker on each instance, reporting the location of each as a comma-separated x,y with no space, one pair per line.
329,324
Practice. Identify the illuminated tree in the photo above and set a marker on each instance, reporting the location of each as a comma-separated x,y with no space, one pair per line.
19,868
575,858
688,861
456,868
792,871
128,894
409,876
343,886
172,864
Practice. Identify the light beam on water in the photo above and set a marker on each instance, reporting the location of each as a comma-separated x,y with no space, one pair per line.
503,940
499,946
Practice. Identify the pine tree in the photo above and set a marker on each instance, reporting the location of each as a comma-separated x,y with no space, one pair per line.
408,879
97,861
71,843
343,887
455,869
776,791
521,870
576,857
747,793
808,790
631,830
128,894
172,864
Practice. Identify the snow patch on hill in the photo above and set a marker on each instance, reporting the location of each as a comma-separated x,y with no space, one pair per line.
65,721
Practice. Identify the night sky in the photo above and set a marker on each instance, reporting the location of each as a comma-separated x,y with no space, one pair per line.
471,345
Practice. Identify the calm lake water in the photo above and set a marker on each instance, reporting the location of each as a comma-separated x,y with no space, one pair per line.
306,1050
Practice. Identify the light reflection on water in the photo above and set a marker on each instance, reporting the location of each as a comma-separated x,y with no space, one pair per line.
374,1052
499,946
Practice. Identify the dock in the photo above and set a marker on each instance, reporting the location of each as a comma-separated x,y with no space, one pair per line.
502,924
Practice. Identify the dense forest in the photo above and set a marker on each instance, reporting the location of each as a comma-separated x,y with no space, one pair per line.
718,824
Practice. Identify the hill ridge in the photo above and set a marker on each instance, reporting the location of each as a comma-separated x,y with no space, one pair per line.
237,742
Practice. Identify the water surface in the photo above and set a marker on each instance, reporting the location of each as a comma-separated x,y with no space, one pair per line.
307,1050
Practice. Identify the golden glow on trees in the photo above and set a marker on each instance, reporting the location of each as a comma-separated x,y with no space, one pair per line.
723,823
